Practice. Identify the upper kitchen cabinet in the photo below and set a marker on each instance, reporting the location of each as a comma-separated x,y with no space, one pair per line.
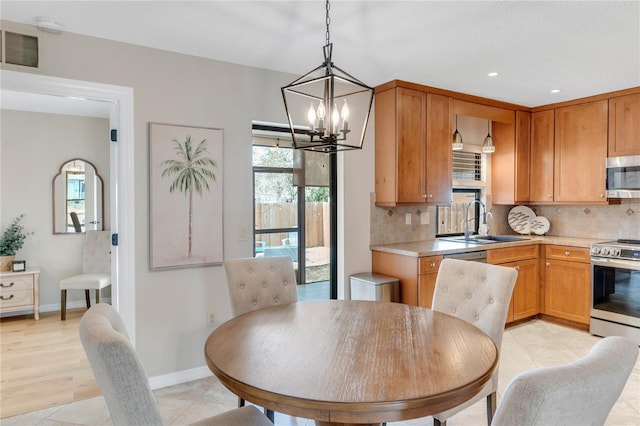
624,125
510,161
580,152
541,156
413,149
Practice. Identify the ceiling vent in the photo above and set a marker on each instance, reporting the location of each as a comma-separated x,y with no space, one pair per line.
19,49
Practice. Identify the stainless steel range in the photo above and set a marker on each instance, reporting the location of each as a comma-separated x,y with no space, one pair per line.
615,283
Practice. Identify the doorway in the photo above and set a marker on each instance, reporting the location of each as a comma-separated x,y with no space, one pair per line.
120,104
120,100
292,208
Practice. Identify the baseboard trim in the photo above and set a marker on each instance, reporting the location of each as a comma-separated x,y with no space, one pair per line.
165,380
53,307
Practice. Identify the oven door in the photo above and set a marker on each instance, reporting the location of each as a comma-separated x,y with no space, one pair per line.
616,290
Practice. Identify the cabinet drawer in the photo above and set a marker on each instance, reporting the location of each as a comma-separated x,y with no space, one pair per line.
9,299
576,254
429,264
15,283
511,254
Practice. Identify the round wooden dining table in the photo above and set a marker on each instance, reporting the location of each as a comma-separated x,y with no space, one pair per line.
351,362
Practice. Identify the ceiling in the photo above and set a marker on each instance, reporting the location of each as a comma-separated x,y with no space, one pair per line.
582,48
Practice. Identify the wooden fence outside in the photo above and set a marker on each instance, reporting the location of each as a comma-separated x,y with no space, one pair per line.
284,215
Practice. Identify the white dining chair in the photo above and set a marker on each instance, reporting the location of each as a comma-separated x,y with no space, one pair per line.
579,393
123,381
260,282
479,294
96,269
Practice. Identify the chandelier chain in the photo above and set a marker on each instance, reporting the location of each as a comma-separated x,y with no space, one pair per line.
328,21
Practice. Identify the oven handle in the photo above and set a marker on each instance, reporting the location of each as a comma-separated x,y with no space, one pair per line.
613,263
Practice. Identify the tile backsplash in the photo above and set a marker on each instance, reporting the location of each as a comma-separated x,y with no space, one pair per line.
388,224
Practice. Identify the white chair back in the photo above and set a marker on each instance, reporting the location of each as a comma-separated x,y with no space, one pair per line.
579,393
479,294
96,252
259,282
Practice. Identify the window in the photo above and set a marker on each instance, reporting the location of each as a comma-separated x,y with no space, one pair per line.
467,166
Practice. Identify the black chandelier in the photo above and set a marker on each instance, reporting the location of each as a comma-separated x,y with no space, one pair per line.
318,106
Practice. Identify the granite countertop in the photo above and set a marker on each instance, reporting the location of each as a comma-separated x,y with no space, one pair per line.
439,246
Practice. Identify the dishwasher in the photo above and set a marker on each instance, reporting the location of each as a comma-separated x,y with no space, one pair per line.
474,256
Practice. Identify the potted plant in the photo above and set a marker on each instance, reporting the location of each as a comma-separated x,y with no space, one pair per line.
11,241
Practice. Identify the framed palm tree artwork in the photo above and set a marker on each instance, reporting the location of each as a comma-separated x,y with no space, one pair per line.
185,196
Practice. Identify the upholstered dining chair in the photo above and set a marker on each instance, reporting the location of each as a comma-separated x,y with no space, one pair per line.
579,393
123,382
260,282
479,294
96,269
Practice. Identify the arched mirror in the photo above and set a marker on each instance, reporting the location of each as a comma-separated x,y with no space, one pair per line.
78,198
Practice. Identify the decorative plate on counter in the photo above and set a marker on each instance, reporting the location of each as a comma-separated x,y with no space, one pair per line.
540,225
519,219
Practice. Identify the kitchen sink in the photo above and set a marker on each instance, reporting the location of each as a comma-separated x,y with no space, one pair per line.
483,239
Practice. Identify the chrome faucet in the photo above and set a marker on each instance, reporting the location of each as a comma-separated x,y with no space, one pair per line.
467,231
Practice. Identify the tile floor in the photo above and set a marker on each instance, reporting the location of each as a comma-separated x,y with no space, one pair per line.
534,344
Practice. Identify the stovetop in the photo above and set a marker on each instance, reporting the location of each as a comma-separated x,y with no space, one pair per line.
620,249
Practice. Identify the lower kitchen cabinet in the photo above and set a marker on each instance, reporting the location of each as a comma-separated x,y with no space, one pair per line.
428,269
417,275
525,301
567,283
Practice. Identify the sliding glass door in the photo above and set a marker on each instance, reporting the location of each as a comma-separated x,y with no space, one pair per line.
290,218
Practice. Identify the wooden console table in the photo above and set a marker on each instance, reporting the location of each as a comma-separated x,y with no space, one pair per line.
19,291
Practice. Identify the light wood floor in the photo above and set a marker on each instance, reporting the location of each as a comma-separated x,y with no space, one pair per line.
42,363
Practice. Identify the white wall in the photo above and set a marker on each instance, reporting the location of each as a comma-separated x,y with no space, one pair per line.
33,146
172,306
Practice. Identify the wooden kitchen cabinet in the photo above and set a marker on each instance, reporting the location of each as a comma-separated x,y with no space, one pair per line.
567,283
580,152
428,270
510,161
413,157
417,275
525,301
19,291
541,158
624,125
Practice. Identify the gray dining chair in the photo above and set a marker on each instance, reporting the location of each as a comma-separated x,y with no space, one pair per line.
579,393
123,382
479,294
96,269
260,282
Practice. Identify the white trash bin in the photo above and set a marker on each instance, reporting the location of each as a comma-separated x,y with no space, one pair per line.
368,286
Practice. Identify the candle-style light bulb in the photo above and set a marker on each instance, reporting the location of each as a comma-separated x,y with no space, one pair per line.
335,119
321,114
311,116
344,113
321,110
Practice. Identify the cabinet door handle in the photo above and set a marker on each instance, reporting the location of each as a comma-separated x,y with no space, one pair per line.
567,253
433,264
517,267
3,285
6,298
548,264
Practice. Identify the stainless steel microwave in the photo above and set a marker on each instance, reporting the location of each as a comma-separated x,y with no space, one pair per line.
623,177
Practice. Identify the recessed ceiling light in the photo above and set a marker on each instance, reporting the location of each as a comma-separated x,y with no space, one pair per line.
493,74
555,90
